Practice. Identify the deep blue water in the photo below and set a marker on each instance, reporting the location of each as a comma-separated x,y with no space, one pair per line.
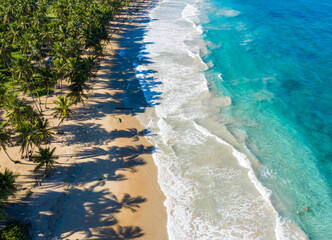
275,61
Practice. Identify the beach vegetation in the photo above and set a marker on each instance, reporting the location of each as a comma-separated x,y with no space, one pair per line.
7,189
5,138
47,48
14,230
45,158
7,184
62,109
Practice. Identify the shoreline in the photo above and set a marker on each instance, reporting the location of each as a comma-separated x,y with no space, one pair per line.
187,163
104,157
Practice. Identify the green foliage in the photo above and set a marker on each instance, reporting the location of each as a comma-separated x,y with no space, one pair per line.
7,184
14,230
7,188
19,111
5,137
62,109
45,158
33,134
42,43
42,132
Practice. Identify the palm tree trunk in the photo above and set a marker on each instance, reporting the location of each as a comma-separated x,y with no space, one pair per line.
35,101
61,86
27,151
59,123
33,97
48,93
39,102
33,149
55,88
9,156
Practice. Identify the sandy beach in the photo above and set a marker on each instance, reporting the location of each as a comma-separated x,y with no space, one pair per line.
105,186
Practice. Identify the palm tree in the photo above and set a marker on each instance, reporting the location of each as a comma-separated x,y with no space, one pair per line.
16,109
15,33
63,108
7,188
25,41
77,88
7,184
60,65
37,21
79,78
59,8
62,32
7,14
45,158
24,71
19,111
36,50
47,35
71,47
42,132
25,137
5,139
59,50
48,78
6,56
72,67
32,135
3,90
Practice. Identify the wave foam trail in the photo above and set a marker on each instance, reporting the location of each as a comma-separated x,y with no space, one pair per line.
228,12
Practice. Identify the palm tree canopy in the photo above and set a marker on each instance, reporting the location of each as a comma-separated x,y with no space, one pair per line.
42,132
3,90
5,51
5,135
25,136
7,184
45,158
18,111
63,108
23,69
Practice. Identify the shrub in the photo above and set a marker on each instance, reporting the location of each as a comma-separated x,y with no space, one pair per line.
14,230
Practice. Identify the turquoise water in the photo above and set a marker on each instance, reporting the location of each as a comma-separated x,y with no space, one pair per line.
240,117
273,59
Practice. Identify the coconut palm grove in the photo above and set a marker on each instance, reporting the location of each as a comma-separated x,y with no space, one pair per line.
44,46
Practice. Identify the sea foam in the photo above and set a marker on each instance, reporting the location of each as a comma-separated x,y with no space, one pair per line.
210,187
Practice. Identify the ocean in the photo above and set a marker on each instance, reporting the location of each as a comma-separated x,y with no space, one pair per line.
241,117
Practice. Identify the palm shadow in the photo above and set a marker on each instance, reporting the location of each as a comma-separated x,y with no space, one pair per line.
93,208
124,233
128,202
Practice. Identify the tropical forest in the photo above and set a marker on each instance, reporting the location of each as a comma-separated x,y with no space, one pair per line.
47,48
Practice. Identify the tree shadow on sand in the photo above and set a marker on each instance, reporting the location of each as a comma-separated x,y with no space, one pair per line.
127,201
124,233
98,213
96,134
94,209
